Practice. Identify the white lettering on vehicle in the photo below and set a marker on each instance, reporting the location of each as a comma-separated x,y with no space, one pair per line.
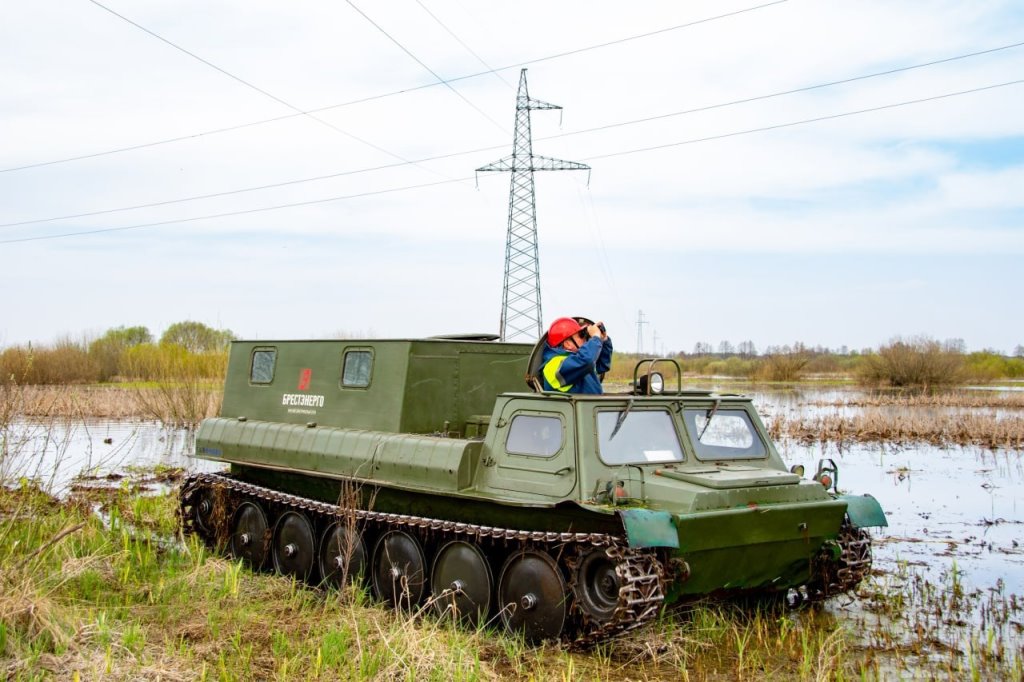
302,399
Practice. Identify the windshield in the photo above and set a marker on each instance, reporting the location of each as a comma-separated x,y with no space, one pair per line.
723,434
643,437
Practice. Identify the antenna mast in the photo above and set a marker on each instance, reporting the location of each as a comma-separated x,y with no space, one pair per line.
520,299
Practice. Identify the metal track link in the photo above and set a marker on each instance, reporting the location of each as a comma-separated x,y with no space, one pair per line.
640,572
843,574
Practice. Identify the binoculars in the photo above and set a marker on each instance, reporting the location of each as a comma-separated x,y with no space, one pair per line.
585,335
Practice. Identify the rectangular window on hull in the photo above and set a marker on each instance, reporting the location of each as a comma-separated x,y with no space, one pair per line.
356,369
263,362
637,437
723,434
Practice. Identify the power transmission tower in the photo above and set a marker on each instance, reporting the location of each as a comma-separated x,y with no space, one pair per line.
520,299
640,322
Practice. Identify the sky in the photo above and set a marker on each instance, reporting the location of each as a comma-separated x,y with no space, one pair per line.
833,173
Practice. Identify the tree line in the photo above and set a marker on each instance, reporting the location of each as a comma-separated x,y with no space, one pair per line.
185,349
192,350
914,362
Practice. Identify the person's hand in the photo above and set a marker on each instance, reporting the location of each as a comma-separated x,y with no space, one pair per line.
593,330
601,330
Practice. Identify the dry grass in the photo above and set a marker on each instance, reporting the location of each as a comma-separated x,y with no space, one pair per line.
173,403
122,601
110,402
876,425
950,399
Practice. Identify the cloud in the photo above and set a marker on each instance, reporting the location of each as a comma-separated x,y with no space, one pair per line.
932,181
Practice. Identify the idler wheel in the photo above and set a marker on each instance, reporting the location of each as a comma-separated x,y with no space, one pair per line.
532,595
294,546
202,513
597,585
461,583
248,531
399,569
342,555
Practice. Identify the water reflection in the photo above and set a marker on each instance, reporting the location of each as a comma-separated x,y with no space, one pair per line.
53,452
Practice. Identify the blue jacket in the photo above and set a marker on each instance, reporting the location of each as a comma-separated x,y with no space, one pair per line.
579,371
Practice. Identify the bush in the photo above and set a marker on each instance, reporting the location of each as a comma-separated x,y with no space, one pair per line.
782,367
731,367
67,362
918,363
108,350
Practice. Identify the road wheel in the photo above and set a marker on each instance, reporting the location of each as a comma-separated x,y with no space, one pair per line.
342,555
462,583
399,569
294,546
532,595
248,534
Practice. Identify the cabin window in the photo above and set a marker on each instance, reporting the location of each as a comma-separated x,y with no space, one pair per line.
263,362
637,437
356,368
534,435
723,434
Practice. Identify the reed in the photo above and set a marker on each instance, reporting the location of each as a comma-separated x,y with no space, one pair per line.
945,399
182,393
989,430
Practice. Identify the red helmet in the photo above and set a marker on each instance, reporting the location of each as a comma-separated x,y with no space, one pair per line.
561,329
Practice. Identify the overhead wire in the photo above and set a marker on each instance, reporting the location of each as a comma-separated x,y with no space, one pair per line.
467,47
228,214
709,107
371,98
591,158
299,111
420,62
791,124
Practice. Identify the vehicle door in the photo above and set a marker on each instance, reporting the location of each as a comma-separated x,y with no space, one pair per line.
534,449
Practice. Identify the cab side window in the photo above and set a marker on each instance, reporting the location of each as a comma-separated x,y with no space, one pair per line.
534,435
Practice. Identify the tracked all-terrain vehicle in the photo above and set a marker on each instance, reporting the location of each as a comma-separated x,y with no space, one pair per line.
429,467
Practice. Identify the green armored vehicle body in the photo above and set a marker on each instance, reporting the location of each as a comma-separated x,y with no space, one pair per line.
431,468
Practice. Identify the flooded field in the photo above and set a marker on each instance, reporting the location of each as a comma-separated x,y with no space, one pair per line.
948,580
56,452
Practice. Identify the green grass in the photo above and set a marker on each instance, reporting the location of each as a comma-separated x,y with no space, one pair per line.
119,596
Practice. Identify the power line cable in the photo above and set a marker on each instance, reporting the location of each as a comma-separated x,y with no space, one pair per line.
439,157
299,111
602,156
467,47
420,62
229,214
275,185
791,124
371,98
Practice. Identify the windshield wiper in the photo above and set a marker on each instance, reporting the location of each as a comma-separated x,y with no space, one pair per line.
709,417
622,418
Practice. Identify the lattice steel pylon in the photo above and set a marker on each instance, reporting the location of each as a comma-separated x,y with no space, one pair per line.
521,314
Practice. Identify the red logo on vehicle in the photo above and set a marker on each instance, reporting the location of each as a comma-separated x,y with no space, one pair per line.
304,377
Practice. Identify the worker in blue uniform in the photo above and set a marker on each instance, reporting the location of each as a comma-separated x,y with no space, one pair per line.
575,357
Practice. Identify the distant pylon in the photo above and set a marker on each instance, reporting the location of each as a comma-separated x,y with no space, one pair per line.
640,322
520,299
